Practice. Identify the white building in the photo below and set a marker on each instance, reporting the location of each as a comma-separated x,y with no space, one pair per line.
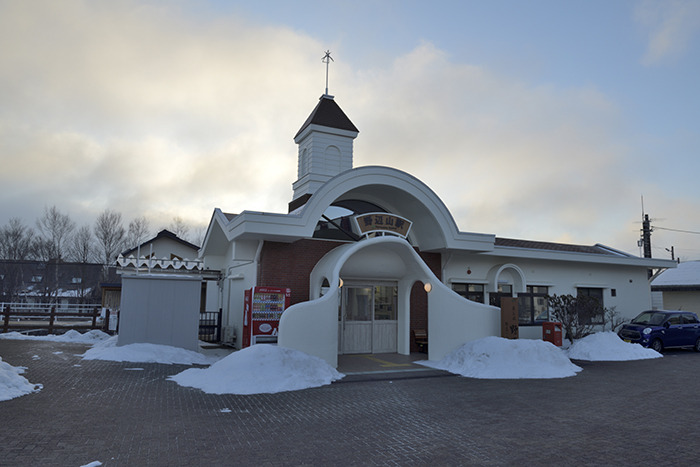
361,282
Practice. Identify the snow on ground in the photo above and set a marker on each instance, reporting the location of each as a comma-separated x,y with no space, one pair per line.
12,383
146,353
262,368
90,337
499,358
607,346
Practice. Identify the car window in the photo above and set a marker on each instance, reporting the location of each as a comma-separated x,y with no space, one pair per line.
674,319
643,318
655,318
690,319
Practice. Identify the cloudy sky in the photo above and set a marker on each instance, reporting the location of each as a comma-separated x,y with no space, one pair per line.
542,120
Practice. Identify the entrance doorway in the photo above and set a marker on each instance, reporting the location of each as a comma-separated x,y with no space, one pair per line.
368,319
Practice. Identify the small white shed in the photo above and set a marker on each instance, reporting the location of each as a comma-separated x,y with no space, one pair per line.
160,309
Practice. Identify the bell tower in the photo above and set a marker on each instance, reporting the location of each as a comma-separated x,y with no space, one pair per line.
325,149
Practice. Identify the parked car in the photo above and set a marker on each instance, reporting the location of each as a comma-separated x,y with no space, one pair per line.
663,329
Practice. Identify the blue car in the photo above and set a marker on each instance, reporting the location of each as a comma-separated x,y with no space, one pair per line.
663,329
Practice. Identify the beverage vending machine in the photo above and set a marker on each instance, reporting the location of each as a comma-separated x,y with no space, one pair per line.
262,312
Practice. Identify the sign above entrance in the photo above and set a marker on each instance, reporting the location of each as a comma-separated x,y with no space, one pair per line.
382,222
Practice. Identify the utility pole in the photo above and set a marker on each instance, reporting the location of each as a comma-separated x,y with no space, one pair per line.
646,236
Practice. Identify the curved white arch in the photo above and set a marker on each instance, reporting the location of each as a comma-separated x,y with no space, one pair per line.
399,193
396,191
312,327
519,284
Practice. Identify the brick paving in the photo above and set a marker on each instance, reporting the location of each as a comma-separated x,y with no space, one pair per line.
612,413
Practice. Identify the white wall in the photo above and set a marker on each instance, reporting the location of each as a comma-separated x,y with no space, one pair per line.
633,293
160,309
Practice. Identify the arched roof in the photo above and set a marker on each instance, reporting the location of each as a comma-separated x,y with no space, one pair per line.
394,190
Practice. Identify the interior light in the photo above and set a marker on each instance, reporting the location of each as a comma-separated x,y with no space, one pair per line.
340,282
428,287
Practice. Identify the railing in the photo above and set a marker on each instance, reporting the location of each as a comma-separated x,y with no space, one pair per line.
210,326
39,316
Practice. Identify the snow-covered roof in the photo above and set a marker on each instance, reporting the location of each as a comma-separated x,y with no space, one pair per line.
685,275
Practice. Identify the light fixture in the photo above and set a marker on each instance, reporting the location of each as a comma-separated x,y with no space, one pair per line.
340,282
428,286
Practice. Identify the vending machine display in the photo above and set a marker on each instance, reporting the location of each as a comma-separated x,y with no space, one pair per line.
262,312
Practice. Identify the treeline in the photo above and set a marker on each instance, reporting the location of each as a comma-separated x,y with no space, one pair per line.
57,238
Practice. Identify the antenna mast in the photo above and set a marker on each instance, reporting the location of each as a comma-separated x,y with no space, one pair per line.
327,59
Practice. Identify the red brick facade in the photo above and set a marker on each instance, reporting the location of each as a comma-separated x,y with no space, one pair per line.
290,265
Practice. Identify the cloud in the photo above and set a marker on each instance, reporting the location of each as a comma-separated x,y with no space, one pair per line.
141,110
671,25
504,156
149,111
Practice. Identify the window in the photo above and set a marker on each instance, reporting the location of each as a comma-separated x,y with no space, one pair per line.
597,294
690,319
76,280
504,290
473,292
37,278
532,305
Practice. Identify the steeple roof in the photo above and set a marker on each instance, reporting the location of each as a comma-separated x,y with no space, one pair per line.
328,113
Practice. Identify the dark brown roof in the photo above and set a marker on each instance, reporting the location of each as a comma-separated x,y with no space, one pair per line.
230,216
533,245
328,113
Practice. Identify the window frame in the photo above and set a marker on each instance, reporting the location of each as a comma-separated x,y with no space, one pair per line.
530,295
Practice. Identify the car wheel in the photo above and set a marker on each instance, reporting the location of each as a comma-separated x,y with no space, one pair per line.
659,346
696,347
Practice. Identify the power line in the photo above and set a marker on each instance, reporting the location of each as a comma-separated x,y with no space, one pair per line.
676,230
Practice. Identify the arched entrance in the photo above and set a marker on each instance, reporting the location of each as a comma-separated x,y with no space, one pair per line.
313,327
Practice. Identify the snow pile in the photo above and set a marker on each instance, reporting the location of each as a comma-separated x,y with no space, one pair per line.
608,346
262,368
12,384
90,337
499,358
144,353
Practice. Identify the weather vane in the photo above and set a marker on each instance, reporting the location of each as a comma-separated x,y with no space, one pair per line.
327,59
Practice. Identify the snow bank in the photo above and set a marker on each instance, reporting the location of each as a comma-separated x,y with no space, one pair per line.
144,353
260,369
499,358
90,337
607,346
12,384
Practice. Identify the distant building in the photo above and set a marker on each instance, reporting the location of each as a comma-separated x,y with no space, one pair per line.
50,282
372,253
679,288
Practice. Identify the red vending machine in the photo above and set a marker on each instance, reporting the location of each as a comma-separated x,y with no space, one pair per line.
262,312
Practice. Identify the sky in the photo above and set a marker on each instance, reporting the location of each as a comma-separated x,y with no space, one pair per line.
540,120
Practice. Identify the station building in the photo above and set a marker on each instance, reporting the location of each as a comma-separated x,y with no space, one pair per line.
371,254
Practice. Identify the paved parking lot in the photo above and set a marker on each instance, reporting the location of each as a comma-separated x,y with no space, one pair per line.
612,413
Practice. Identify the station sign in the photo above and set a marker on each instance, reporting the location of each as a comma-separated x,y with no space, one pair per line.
382,222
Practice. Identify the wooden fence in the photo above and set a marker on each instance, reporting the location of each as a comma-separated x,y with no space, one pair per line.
40,316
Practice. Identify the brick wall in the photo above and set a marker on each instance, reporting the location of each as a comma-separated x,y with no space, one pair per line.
419,297
290,265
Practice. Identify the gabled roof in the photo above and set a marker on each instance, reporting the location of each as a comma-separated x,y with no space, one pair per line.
329,114
162,234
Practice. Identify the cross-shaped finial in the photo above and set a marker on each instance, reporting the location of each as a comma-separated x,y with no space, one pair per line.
327,59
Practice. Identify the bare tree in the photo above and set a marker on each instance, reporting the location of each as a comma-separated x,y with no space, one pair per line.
139,231
579,315
16,240
109,233
82,245
179,227
199,233
55,228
